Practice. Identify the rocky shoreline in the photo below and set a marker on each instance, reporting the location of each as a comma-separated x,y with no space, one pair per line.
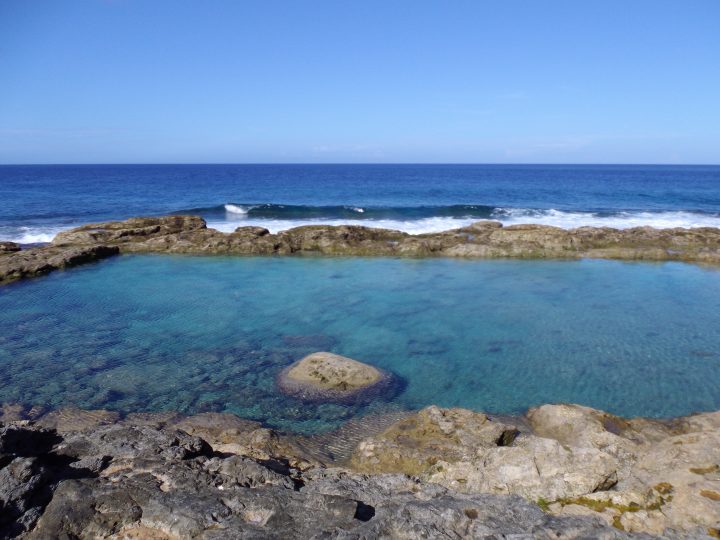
560,471
483,239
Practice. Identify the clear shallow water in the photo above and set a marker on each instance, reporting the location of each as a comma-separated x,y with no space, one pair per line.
36,202
210,333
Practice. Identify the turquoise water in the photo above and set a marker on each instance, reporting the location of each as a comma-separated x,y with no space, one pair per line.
210,333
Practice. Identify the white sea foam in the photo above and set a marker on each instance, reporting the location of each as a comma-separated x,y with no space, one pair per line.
557,218
237,209
418,226
30,235
620,220
510,216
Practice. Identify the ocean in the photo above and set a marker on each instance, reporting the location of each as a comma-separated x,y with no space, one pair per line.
36,202
197,334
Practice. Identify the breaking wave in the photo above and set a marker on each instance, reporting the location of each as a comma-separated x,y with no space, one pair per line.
411,219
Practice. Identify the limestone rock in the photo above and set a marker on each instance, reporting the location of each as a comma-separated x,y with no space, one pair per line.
665,466
584,427
470,453
325,376
145,488
534,467
131,230
416,443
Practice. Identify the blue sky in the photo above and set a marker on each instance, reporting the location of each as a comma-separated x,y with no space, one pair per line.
506,81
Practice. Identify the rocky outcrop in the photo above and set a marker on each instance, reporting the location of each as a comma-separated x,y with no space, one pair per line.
131,230
43,260
472,453
637,474
561,471
324,376
127,480
484,239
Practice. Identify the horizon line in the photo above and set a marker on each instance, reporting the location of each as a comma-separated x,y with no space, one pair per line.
448,163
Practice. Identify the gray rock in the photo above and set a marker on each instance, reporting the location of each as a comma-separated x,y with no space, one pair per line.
126,481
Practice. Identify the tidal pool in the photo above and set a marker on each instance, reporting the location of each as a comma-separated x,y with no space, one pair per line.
193,334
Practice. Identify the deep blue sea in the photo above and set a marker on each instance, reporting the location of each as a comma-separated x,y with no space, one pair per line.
38,201
193,334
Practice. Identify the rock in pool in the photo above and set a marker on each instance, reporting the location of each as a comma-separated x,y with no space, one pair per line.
324,376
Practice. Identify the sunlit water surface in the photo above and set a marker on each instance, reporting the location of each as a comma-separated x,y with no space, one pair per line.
193,334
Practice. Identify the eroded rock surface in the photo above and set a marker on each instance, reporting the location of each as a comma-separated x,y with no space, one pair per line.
637,474
561,471
123,480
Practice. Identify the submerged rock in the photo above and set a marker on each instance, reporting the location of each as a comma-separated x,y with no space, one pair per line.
324,376
71,419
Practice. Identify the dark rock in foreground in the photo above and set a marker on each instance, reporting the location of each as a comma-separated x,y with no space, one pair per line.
131,481
484,239
562,471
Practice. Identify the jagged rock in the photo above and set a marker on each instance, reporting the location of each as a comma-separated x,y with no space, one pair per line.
133,442
22,482
416,443
665,465
582,427
231,434
325,376
470,453
153,480
131,230
534,467
149,491
165,484
217,428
